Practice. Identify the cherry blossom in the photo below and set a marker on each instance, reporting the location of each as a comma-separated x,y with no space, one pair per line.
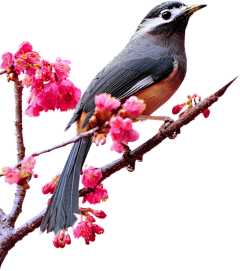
91,176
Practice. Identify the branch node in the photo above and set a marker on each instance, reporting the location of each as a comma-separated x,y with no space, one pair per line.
126,156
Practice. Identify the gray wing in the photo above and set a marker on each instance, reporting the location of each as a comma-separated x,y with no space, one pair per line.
122,81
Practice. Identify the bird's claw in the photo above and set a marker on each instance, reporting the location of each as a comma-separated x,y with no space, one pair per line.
165,125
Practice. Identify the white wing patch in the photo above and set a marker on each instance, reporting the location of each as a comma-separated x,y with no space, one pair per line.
144,83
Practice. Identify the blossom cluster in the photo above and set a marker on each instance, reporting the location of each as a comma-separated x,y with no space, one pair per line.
90,178
16,175
121,120
178,108
62,239
50,88
86,228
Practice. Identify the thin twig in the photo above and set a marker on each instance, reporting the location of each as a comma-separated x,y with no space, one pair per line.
3,71
63,144
70,141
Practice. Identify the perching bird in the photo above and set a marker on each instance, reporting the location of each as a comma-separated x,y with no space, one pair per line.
151,66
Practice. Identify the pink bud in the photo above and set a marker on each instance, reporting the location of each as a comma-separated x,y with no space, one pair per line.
35,175
97,229
206,113
176,109
62,239
50,187
90,218
98,214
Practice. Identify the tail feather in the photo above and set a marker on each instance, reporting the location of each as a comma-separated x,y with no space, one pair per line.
64,203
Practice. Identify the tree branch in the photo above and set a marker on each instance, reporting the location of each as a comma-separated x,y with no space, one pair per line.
7,222
18,88
12,236
20,191
3,72
138,153
70,141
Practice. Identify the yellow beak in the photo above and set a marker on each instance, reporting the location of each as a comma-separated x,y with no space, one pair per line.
191,9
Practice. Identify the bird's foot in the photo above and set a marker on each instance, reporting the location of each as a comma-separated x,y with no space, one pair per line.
164,126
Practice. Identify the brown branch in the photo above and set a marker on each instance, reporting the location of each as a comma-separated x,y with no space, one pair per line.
11,237
27,227
20,191
138,153
18,88
8,221
3,72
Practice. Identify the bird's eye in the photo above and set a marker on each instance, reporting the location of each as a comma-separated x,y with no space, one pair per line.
166,15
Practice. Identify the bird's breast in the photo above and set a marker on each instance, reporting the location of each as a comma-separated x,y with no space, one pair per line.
156,95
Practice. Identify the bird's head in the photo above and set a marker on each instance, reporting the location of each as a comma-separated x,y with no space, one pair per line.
169,17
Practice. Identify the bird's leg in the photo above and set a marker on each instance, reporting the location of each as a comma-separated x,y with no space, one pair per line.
167,122
161,118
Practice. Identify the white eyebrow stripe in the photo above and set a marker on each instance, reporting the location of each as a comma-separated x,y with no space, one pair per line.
149,24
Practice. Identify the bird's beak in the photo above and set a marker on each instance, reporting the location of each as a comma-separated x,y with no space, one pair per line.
189,10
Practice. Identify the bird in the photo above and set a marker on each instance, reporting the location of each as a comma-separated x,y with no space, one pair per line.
151,66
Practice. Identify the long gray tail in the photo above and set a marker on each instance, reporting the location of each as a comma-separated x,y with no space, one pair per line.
64,202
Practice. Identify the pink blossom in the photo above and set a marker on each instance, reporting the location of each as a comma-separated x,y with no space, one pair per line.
104,102
117,146
48,99
97,196
44,74
90,238
87,229
28,163
134,106
24,48
116,124
121,131
83,229
27,63
91,176
69,95
26,60
62,239
7,60
61,67
27,81
127,124
11,175
50,187
61,95
33,110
